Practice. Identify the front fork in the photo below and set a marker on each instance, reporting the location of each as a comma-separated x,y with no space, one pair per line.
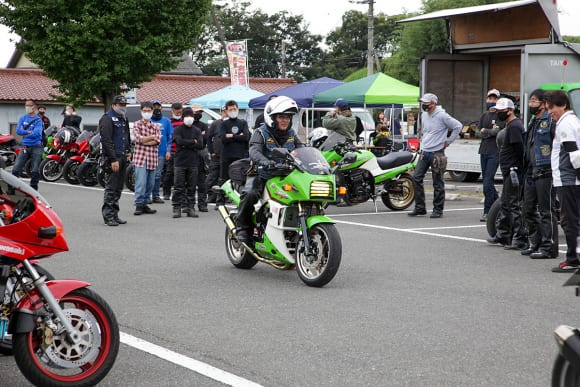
40,285
304,234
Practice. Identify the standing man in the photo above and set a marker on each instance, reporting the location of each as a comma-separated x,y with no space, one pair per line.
176,120
489,127
214,147
341,120
147,138
510,231
539,195
201,187
115,152
235,138
566,172
30,127
164,149
43,116
435,138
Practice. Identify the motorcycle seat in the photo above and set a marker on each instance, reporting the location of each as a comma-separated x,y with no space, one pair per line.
394,159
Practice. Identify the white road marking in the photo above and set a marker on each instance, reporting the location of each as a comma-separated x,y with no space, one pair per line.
186,362
398,212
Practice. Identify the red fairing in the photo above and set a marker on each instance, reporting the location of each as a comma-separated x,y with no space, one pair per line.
57,287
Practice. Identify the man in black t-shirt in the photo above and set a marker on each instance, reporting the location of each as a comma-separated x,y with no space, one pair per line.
510,231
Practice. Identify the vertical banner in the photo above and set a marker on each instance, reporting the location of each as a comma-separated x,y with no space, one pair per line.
238,59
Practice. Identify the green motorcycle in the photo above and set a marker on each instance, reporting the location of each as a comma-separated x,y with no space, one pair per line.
364,177
291,229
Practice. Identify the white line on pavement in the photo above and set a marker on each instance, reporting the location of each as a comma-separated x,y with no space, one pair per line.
186,362
398,212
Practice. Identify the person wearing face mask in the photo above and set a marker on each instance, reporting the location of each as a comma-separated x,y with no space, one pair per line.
235,137
43,116
201,187
510,231
489,127
436,124
145,158
30,128
71,118
539,196
214,147
164,149
176,120
188,142
115,154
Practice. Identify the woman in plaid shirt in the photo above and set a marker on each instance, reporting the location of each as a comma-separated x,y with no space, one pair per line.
147,138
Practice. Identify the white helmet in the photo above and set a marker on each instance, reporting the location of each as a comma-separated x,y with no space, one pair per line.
279,105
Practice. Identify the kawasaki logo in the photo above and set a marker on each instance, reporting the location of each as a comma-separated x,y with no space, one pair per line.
10,249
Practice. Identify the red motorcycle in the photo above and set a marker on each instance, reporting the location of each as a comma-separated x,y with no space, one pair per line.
65,144
8,148
62,333
83,150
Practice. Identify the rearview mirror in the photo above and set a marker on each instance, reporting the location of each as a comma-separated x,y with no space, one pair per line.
349,158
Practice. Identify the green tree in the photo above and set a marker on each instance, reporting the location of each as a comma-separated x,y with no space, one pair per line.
265,34
93,48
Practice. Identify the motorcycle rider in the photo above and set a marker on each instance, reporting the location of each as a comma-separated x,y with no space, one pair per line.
116,151
30,127
275,132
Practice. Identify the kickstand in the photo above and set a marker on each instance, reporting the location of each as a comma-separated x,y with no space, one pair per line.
375,203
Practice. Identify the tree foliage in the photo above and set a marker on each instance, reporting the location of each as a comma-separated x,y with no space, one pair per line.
265,34
93,48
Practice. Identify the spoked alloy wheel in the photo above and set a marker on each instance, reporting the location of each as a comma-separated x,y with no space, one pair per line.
320,268
48,359
69,171
237,253
51,170
564,374
399,194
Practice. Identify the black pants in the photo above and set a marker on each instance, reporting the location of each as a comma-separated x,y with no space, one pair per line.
201,185
252,192
569,196
113,189
168,176
540,215
426,161
213,176
510,226
185,183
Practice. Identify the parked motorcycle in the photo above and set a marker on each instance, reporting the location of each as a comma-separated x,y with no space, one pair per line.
63,334
364,177
83,150
566,369
64,142
87,170
291,229
8,148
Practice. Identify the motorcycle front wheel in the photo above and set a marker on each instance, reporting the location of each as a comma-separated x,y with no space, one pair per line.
564,374
56,362
6,341
70,170
319,268
50,170
399,194
87,174
492,217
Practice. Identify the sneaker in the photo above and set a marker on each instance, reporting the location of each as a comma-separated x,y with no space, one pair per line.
158,200
565,267
416,212
483,218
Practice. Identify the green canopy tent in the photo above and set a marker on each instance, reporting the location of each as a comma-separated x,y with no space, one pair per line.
375,91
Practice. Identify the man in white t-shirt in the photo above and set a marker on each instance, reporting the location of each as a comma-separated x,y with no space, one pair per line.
565,161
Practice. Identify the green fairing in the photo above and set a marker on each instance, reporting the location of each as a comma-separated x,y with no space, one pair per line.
317,219
231,193
268,250
301,183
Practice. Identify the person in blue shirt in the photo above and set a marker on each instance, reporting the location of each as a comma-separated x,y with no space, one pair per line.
164,147
30,127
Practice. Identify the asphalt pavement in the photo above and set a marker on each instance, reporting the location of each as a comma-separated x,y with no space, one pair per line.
416,302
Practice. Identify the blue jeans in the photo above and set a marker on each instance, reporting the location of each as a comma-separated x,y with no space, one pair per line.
34,153
489,164
158,173
144,180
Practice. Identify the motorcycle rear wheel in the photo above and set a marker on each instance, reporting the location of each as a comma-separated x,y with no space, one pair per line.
564,374
70,170
492,217
61,364
399,194
237,253
87,174
326,247
130,177
6,343
50,170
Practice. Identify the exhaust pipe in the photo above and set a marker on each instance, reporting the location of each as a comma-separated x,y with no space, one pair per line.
568,339
222,209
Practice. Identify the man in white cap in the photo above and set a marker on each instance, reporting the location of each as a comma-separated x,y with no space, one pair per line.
510,231
436,124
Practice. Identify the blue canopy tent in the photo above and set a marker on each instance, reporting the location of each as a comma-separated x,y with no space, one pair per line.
301,93
215,100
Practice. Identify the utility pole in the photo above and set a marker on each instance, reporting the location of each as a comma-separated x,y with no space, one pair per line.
371,30
283,59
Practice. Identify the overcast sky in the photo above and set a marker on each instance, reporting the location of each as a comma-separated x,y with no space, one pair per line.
325,15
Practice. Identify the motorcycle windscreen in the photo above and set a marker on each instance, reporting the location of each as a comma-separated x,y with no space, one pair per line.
10,183
311,160
574,280
333,139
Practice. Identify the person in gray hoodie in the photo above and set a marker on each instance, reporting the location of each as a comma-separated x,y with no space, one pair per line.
439,130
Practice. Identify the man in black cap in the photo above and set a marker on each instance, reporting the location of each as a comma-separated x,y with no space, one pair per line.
115,153
43,116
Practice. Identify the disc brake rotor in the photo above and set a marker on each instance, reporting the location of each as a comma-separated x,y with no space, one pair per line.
86,349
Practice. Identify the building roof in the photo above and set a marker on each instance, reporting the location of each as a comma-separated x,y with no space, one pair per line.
17,85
